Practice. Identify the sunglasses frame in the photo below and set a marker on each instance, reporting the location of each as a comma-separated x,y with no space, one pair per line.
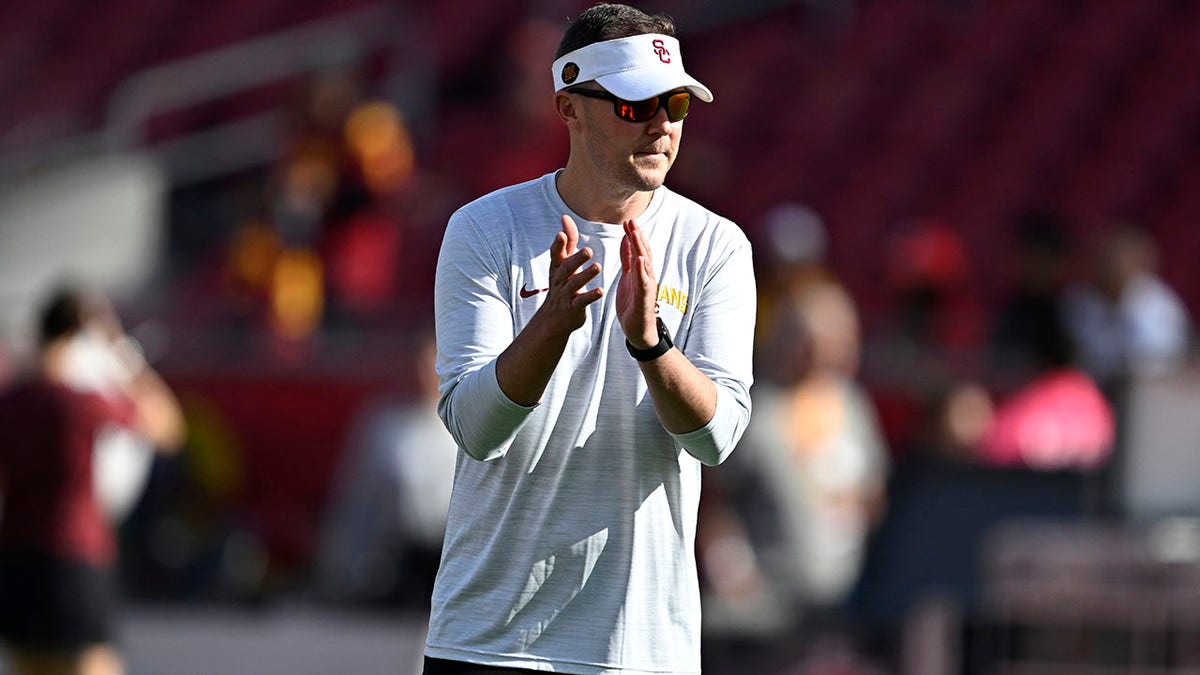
662,99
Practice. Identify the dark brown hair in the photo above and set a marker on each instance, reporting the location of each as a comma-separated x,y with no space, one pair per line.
63,314
609,21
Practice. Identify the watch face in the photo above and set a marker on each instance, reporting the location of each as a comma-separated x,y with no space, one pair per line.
664,335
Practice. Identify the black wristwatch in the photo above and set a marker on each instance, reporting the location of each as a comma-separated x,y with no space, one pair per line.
664,345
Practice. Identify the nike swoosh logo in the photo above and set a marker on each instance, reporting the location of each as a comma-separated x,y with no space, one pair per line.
526,293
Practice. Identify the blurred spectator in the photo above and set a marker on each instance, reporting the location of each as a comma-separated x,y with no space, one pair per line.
382,532
791,254
1127,321
931,335
1039,276
956,423
57,547
1059,419
330,240
1053,415
796,244
928,268
809,476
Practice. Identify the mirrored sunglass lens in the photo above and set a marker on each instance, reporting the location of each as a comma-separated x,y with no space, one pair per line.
677,106
638,111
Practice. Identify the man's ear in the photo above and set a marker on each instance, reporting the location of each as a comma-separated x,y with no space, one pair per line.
565,106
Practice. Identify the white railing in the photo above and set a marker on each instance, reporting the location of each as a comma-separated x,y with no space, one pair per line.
236,143
254,139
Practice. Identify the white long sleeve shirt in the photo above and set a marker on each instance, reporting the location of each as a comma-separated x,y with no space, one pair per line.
570,545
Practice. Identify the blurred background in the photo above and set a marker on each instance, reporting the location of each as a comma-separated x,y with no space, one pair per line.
975,227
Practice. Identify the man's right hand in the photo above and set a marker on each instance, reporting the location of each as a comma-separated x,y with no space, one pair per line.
524,369
565,308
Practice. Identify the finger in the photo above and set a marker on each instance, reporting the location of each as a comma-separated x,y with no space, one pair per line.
566,273
557,248
584,299
572,233
643,280
581,278
568,265
574,262
631,235
626,253
640,245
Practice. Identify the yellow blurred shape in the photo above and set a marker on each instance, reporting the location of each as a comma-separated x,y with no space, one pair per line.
213,455
252,256
311,175
379,139
297,294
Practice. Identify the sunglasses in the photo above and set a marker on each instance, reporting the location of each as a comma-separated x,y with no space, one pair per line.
676,103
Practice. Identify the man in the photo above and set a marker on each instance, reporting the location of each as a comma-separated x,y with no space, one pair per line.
587,383
57,548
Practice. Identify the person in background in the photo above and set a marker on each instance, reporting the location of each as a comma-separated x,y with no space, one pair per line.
57,547
809,477
1040,269
1127,321
794,242
927,340
1050,414
1059,419
386,517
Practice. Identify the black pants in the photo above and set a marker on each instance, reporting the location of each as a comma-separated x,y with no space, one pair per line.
443,667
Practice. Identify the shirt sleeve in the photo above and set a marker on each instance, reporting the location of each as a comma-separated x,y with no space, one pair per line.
474,322
720,344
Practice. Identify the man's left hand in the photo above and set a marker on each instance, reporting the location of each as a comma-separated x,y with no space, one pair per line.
637,290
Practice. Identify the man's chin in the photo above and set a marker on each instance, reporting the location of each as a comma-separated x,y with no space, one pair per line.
651,178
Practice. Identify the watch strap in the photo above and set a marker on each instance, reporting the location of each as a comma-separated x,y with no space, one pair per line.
664,345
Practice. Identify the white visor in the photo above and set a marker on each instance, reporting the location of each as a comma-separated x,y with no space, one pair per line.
633,68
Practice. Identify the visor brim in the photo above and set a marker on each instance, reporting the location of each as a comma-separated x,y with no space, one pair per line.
635,85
